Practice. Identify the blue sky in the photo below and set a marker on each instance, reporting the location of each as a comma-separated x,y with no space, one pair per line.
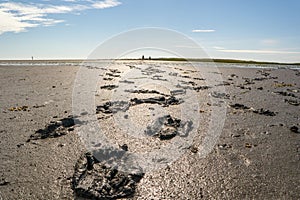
253,30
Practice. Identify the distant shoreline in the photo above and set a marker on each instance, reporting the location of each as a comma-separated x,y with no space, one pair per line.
157,59
224,61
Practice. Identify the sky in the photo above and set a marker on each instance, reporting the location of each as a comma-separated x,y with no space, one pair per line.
260,30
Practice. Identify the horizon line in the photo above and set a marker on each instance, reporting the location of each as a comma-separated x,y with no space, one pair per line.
219,60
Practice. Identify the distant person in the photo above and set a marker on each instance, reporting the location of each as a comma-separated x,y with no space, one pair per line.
31,57
149,57
143,57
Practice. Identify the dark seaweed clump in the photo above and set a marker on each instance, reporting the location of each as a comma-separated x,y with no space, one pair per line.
55,129
94,180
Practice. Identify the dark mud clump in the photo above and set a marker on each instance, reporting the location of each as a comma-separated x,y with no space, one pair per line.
283,93
264,112
295,129
204,87
112,75
248,81
167,127
239,106
109,87
55,129
220,95
108,79
178,92
224,83
126,81
142,91
158,78
260,111
124,147
193,87
113,107
94,180
115,71
292,102
157,100
199,79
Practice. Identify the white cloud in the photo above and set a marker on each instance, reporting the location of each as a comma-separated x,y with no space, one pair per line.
203,31
106,4
218,48
269,42
18,17
52,22
257,51
9,23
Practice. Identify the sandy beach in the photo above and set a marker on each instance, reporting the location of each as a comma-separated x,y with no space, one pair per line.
256,156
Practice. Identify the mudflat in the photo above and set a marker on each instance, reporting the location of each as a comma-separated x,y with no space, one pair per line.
256,155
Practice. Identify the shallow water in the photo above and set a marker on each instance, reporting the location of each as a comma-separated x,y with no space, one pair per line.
196,64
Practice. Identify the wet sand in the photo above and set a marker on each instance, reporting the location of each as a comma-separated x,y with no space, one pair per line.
256,156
